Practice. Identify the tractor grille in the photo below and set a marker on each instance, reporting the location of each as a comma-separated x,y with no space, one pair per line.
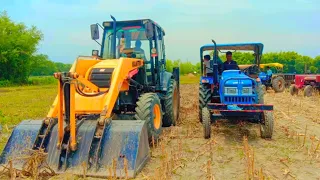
238,100
101,77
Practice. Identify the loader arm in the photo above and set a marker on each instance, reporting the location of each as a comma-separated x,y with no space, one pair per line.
65,105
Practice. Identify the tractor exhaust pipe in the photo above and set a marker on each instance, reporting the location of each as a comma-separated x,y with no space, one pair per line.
114,37
214,64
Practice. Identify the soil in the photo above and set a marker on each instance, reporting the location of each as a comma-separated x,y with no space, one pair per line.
191,75
235,150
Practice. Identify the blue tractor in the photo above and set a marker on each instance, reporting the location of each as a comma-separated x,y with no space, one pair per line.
233,94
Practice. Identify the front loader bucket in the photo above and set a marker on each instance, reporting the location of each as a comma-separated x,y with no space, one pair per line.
121,151
22,138
124,139
121,139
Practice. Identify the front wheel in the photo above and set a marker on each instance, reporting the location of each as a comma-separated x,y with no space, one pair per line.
206,122
293,90
204,98
266,129
149,109
308,90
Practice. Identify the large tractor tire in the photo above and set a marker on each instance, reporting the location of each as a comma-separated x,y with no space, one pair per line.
204,98
149,109
308,90
278,84
206,122
293,90
260,91
266,129
172,105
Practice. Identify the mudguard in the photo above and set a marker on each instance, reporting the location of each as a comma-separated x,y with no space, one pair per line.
165,80
22,138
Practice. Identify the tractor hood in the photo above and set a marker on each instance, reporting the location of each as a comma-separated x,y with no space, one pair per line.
236,88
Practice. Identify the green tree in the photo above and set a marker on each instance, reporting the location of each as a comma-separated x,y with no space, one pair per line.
42,66
17,46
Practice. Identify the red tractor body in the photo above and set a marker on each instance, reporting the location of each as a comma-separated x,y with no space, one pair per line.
308,82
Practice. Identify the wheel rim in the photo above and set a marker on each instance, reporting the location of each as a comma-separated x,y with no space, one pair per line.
157,116
175,104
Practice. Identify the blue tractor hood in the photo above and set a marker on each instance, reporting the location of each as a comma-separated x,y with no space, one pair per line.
236,88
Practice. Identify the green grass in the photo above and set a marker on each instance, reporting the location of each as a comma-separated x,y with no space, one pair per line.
26,102
32,80
185,79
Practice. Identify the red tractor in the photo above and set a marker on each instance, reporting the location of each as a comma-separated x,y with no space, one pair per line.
310,83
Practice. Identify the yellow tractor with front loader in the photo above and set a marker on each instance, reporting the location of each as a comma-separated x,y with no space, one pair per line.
108,107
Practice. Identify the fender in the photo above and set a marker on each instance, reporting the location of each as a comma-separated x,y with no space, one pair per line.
165,80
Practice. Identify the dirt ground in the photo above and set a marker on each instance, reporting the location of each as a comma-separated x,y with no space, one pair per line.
236,151
289,155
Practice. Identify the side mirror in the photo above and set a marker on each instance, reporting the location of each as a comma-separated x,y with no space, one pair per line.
95,52
94,31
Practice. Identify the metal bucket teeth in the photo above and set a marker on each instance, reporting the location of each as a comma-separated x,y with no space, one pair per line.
123,142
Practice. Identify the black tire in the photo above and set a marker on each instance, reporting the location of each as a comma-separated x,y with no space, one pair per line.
266,129
278,84
145,111
204,98
308,91
206,122
293,90
171,105
260,92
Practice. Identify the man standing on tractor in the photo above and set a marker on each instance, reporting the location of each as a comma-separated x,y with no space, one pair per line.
230,64
269,74
208,68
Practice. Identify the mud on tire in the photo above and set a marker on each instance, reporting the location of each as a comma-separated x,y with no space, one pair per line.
172,104
266,129
206,122
204,98
278,84
308,90
293,90
149,109
260,91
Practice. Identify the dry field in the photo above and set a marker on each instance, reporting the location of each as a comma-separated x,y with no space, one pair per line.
236,151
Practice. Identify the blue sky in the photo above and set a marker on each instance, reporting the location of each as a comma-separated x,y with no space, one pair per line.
282,25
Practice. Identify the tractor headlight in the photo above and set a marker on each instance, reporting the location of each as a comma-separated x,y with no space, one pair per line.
246,90
230,91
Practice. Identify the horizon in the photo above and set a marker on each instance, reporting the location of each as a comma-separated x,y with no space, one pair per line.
280,26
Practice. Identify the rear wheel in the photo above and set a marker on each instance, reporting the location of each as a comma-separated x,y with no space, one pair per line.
278,84
266,129
260,93
293,90
149,109
171,103
308,90
264,88
206,122
204,98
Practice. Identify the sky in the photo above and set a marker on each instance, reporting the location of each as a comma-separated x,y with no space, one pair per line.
281,25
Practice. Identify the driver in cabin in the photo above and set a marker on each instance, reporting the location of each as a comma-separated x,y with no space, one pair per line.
137,47
230,64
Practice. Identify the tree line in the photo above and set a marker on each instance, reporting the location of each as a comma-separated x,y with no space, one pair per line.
292,61
18,57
